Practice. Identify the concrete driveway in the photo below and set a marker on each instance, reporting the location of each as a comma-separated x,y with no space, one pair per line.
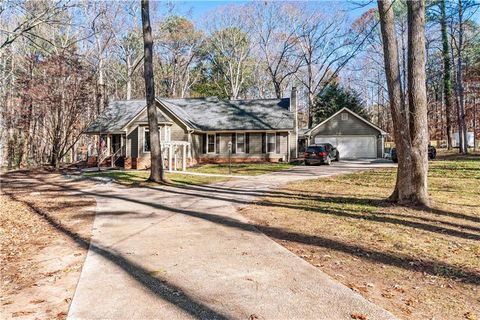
185,252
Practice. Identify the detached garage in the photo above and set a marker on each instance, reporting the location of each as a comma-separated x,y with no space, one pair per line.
352,135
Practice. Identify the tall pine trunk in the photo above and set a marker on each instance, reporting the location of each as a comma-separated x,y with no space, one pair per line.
404,190
462,127
417,100
156,169
447,74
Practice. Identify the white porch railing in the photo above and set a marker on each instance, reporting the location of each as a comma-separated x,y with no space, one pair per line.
175,154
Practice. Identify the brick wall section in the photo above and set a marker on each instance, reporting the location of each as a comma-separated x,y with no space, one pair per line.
218,159
128,163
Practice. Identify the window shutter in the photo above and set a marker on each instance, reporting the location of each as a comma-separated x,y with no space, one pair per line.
264,140
204,144
217,143
277,142
247,142
234,142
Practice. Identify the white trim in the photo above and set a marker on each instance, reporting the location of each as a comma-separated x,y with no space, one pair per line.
214,143
236,142
168,133
274,142
143,139
133,119
336,136
338,112
124,128
173,113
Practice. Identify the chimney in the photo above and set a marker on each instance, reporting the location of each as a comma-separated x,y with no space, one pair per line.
293,99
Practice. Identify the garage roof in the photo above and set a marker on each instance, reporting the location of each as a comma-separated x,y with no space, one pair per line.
352,113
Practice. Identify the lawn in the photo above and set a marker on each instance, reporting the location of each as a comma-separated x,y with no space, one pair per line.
416,263
134,177
243,169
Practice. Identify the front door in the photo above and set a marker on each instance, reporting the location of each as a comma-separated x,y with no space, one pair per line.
116,142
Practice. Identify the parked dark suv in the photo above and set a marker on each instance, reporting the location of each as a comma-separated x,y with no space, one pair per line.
432,153
321,153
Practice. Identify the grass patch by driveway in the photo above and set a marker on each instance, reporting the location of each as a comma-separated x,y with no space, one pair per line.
244,169
416,263
132,177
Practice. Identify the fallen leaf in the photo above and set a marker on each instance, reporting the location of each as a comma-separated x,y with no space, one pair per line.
37,301
21,313
470,315
359,316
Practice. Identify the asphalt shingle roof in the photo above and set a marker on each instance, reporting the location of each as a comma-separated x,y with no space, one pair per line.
212,114
116,116
206,114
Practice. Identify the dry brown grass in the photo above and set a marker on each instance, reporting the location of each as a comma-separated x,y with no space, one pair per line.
418,263
41,257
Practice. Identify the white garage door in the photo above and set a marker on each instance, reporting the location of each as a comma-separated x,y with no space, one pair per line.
351,147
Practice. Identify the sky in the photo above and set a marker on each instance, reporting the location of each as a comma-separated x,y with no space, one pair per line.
198,9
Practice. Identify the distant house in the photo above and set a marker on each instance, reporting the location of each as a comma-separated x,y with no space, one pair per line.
354,136
198,130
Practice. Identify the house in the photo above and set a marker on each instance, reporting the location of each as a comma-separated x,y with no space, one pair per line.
353,136
198,130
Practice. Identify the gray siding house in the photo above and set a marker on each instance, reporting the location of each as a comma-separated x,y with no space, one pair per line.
353,136
198,130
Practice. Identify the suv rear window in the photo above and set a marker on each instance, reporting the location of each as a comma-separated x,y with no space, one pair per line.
316,149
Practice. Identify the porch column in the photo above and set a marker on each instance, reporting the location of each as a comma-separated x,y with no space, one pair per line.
184,157
170,157
122,143
175,159
109,144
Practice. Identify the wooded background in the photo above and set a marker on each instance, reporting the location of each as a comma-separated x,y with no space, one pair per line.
61,62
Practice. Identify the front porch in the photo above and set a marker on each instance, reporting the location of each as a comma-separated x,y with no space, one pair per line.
176,156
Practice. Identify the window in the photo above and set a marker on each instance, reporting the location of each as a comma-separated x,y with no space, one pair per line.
344,116
240,142
277,142
210,143
315,149
270,142
168,133
146,141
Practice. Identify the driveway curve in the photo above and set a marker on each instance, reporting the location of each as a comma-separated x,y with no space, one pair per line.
185,252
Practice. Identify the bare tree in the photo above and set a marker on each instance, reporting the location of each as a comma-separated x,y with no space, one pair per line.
179,44
417,100
447,73
30,15
156,168
275,30
326,44
403,187
229,49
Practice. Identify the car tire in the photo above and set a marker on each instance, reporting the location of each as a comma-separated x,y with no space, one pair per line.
306,163
337,157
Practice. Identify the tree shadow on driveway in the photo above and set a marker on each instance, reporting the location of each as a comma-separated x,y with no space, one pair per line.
432,267
158,286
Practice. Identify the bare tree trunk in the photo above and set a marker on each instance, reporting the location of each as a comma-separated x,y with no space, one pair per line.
101,83
404,190
462,128
156,169
417,98
129,78
447,74
474,123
